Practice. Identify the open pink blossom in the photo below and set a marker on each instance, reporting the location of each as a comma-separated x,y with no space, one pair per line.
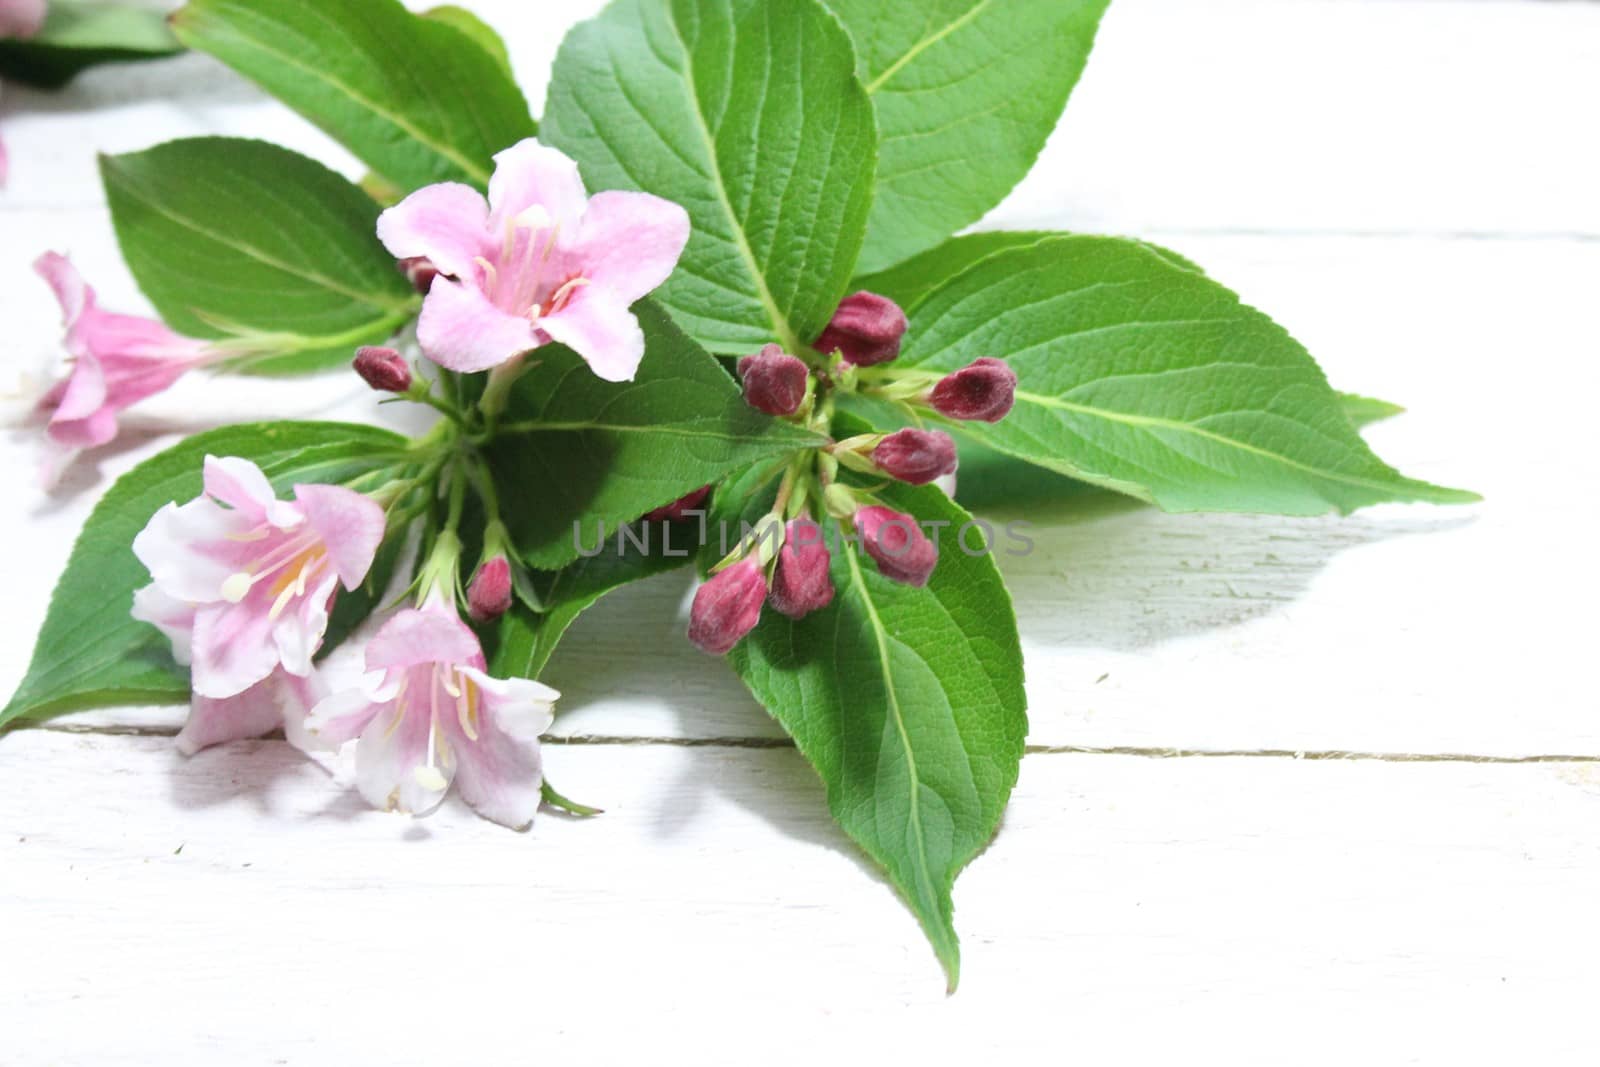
21,18
539,262
117,360
429,715
243,581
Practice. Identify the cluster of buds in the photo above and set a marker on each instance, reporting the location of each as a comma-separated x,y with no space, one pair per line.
785,560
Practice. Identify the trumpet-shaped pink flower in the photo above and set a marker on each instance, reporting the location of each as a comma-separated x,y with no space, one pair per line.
243,581
430,715
21,18
539,262
117,360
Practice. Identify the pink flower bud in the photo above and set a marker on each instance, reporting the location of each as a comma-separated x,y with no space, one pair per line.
896,544
420,272
801,584
865,330
774,381
489,593
678,509
916,456
727,607
982,391
383,368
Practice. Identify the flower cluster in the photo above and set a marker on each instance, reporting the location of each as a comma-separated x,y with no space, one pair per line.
243,584
785,560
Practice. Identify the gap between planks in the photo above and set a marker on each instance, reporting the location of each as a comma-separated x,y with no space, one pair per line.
1031,750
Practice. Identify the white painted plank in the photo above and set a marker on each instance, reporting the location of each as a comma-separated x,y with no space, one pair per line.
1131,911
1402,629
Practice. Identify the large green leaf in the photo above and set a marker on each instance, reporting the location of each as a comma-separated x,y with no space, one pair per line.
749,114
483,34
577,454
78,34
234,236
415,98
525,640
909,703
90,650
966,93
1144,376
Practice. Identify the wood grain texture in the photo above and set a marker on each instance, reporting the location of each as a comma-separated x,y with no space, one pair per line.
1133,911
1428,230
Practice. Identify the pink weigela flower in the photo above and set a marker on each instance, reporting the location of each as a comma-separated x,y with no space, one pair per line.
539,262
242,587
430,715
117,361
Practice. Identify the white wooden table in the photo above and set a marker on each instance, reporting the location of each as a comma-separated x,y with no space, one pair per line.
1297,791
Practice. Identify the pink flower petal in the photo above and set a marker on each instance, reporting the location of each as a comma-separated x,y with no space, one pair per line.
387,758
21,18
351,527
171,616
630,242
426,635
240,484
298,631
460,329
167,547
445,223
84,392
499,775
256,711
342,716
233,647
63,278
529,174
597,324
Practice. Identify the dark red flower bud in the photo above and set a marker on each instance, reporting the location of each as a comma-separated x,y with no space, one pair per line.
774,381
678,509
801,584
896,544
420,272
384,369
916,456
727,607
865,330
982,391
489,593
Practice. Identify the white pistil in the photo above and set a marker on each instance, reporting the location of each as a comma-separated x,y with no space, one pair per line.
428,775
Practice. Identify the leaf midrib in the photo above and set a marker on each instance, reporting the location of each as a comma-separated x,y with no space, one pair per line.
923,45
476,171
251,252
780,322
880,633
1151,421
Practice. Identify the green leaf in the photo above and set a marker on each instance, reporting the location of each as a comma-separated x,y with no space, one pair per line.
1145,377
966,93
78,34
748,113
525,640
909,283
482,34
229,236
576,454
1365,410
909,703
90,650
414,98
